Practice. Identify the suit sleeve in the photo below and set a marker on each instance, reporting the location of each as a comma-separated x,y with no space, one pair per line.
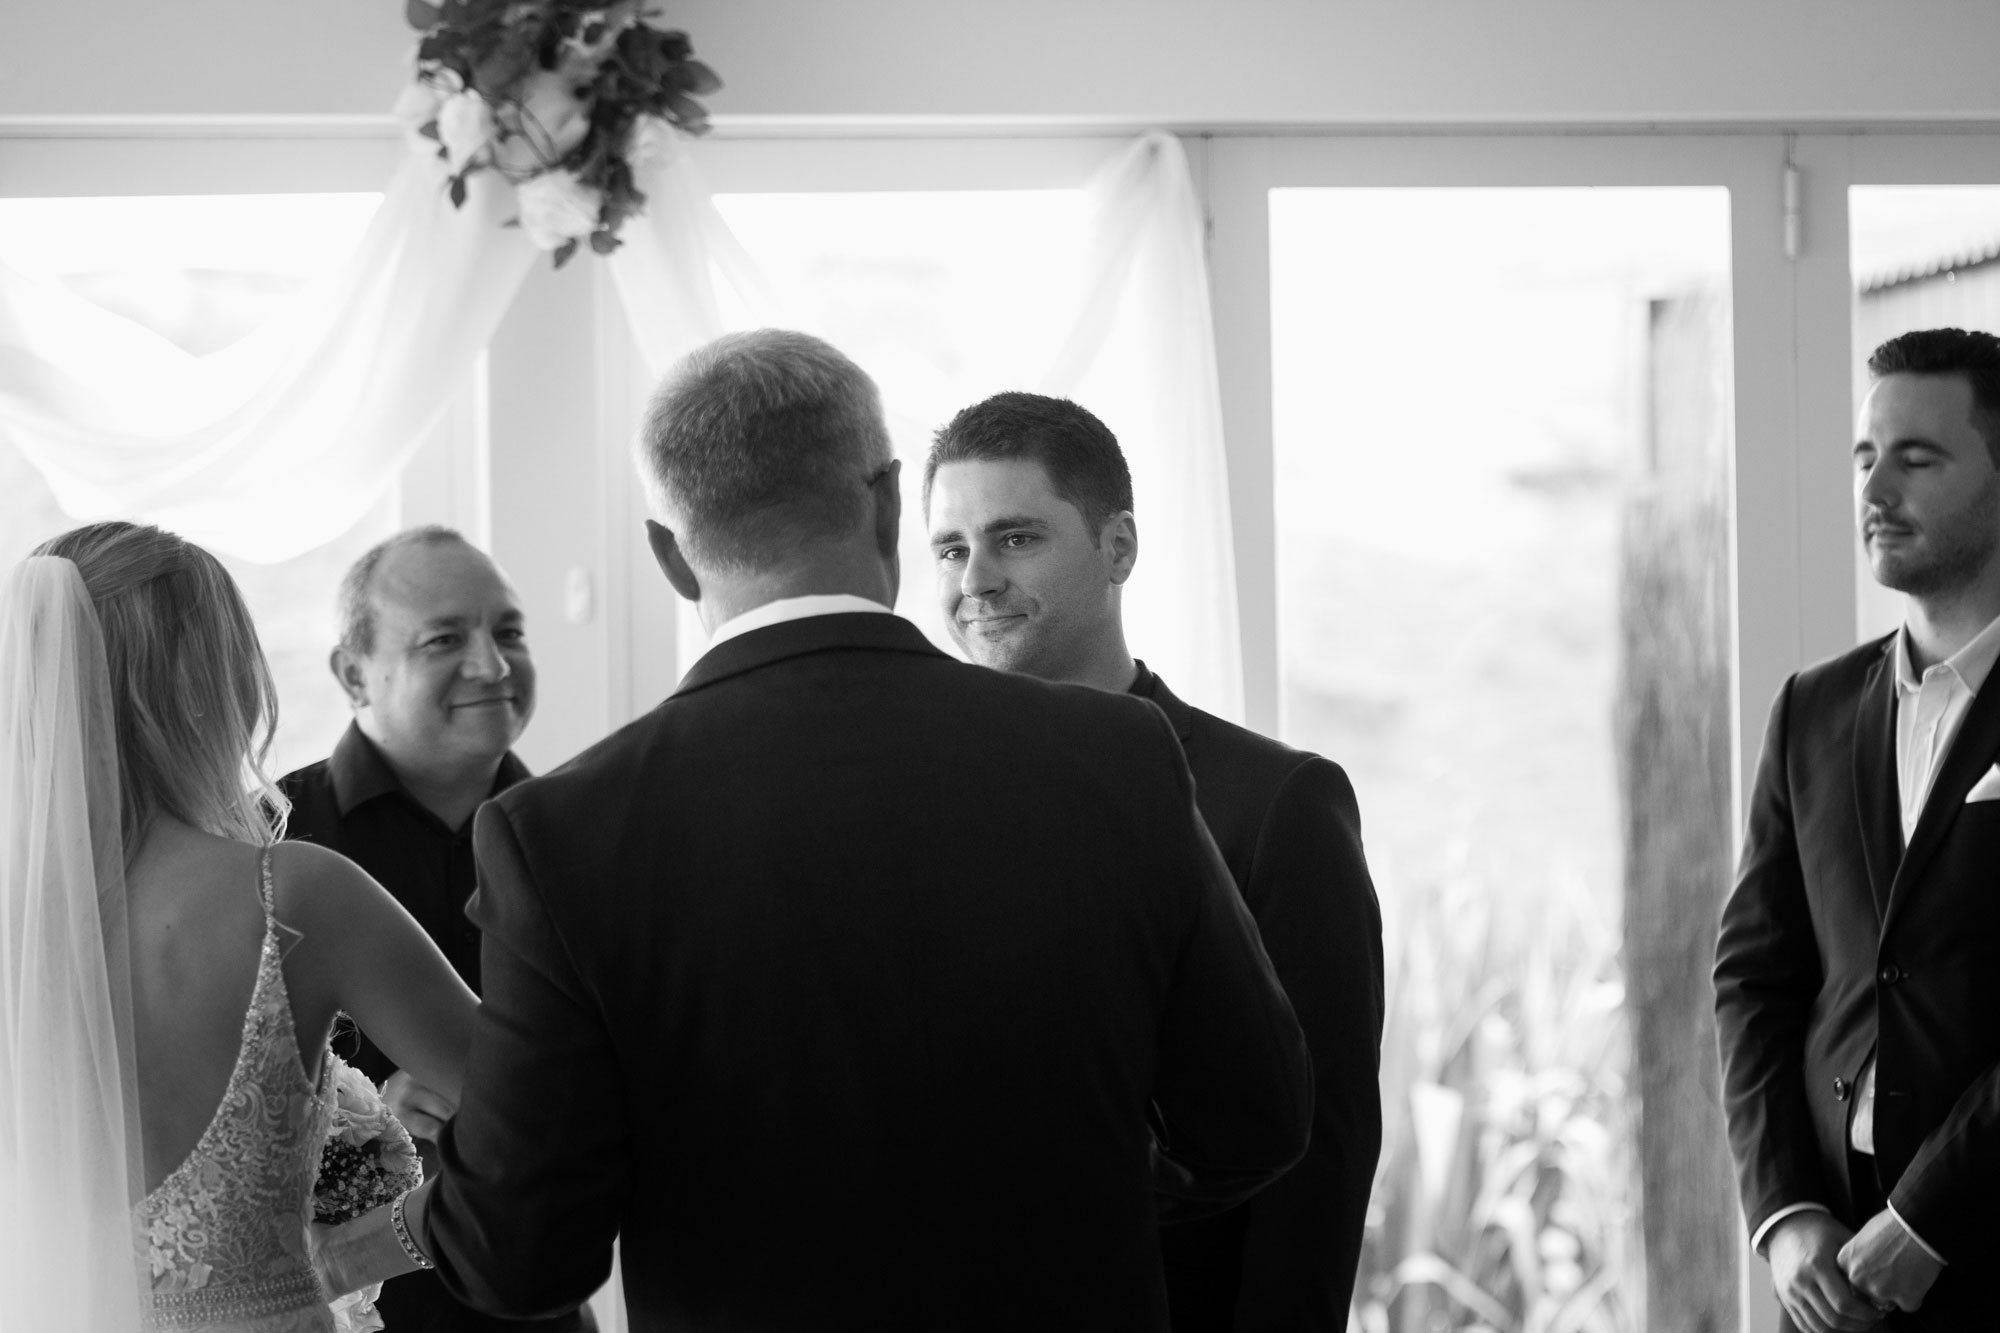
1946,1194
1233,1090
522,1219
1767,977
1315,908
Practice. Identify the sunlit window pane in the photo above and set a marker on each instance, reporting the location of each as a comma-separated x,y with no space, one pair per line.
1501,431
202,271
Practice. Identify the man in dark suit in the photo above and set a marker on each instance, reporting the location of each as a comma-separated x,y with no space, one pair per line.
1029,504
853,987
1858,969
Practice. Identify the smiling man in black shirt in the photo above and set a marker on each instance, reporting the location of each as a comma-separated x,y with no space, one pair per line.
433,656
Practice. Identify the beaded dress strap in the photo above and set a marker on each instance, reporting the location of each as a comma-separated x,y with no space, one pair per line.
266,893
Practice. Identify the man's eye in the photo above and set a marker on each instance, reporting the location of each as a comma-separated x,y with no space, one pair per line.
1017,539
512,635
442,641
947,553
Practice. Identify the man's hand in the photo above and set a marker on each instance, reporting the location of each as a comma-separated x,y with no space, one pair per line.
1886,1265
1804,1250
422,1111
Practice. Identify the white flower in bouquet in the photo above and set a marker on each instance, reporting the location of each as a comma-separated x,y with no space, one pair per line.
544,125
557,208
465,126
416,107
648,143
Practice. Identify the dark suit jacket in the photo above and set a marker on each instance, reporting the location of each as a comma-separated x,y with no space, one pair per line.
1838,942
843,985
1288,827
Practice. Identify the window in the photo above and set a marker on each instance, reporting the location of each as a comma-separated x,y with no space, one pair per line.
1502,433
202,271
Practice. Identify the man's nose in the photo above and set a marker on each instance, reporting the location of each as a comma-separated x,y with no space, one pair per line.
982,578
484,660
1878,488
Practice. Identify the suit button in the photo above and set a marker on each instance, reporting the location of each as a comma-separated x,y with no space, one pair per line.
1840,1089
1890,975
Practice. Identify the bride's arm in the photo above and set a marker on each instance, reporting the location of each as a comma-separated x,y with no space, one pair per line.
361,952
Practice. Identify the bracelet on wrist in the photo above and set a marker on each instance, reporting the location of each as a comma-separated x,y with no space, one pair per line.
402,1230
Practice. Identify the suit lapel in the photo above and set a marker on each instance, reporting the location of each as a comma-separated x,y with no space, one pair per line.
1971,753
1875,792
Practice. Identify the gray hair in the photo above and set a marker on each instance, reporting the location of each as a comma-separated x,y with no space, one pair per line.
761,444
357,601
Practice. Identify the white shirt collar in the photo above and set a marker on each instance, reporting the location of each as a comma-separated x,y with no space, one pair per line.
793,608
1972,664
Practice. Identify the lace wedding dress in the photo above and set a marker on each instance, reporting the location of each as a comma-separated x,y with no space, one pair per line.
224,1236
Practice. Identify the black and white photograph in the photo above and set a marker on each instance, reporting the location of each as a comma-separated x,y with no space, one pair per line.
805,666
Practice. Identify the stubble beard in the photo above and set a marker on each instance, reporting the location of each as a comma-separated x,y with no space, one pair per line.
1958,553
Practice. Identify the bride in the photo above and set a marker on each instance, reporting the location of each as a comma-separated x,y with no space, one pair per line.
169,977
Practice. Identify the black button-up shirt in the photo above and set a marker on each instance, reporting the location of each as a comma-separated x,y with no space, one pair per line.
352,803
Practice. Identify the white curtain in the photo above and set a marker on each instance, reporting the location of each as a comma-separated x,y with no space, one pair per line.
281,442
1141,355
278,444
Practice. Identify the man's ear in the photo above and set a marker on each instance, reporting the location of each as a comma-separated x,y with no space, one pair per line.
346,667
1120,541
667,551
887,491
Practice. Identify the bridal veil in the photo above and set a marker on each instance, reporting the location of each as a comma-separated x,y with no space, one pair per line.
69,1139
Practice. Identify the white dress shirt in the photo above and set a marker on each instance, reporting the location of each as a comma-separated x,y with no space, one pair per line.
1929,710
793,608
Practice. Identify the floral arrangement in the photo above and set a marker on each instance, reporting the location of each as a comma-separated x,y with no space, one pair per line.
369,1158
367,1161
561,97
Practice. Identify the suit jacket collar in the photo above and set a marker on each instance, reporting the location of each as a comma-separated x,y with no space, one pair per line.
869,631
1875,795
1149,686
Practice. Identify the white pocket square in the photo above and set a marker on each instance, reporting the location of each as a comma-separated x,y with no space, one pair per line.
1987,788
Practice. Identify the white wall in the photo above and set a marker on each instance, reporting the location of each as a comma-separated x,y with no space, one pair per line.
1185,62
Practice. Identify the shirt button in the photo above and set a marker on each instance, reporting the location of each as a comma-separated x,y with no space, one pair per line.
1890,975
1840,1089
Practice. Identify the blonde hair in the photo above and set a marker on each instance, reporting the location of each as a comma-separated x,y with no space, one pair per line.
192,695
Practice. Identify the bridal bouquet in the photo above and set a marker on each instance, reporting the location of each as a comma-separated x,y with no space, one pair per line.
368,1160
560,97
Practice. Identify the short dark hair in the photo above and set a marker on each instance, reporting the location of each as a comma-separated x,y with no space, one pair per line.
1080,454
1972,356
357,599
762,443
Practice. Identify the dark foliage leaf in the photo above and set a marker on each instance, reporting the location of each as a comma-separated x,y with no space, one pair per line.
429,129
458,190
699,79
421,15
675,46
603,242
564,251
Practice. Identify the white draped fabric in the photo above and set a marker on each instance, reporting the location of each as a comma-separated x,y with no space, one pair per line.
281,442
278,444
1141,355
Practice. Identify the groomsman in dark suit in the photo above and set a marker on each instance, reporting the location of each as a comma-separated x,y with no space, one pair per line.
1858,969
853,987
1029,504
